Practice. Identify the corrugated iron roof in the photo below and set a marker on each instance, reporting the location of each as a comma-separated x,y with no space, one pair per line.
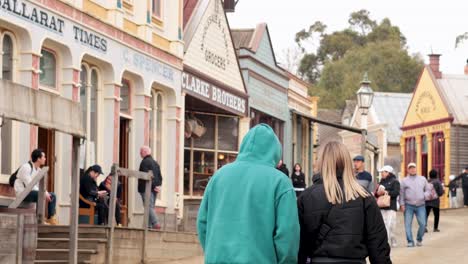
390,109
328,133
189,7
454,89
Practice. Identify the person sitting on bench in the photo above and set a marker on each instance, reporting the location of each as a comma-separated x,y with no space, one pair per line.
24,176
89,190
106,185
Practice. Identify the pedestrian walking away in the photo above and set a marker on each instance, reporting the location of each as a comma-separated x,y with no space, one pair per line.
433,202
340,221
364,177
414,190
149,164
453,186
25,174
298,179
464,179
248,213
389,185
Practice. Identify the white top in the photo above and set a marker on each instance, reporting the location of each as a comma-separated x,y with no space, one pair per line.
24,177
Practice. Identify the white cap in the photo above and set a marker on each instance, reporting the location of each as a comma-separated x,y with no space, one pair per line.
412,164
452,177
386,168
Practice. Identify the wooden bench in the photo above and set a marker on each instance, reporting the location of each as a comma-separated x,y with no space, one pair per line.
87,214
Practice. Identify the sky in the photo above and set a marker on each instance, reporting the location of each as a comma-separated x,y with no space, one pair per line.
429,25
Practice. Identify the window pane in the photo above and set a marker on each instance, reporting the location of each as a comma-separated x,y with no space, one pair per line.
125,96
203,169
83,98
159,123
186,172
6,147
225,158
7,68
93,108
207,139
228,133
48,69
157,8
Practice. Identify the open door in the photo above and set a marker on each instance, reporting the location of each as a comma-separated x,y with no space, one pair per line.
123,162
46,142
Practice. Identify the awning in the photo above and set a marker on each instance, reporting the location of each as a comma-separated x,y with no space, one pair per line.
40,108
323,122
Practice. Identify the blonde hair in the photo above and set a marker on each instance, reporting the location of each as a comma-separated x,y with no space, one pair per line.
334,160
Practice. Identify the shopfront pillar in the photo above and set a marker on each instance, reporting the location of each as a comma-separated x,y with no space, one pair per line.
244,127
430,151
403,154
418,155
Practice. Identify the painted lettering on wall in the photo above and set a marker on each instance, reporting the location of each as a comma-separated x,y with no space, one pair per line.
218,96
425,104
215,25
33,14
90,39
148,64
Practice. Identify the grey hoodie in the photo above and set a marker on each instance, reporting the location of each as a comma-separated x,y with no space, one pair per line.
414,190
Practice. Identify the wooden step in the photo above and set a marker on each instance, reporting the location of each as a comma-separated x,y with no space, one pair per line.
63,243
61,261
47,231
60,254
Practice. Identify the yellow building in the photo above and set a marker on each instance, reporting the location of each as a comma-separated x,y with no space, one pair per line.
435,132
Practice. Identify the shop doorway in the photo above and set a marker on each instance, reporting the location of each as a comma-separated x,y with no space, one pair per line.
424,161
438,157
46,142
124,139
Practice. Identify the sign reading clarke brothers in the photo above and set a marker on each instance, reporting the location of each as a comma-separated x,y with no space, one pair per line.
196,86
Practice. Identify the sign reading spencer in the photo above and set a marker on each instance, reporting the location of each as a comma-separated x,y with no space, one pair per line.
216,95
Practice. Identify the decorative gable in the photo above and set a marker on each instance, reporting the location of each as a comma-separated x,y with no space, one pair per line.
210,50
426,104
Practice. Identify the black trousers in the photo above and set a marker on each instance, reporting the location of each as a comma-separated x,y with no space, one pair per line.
465,195
436,215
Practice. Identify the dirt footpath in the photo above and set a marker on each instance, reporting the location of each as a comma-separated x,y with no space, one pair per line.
448,246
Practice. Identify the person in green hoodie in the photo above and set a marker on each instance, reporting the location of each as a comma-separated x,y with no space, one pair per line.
248,213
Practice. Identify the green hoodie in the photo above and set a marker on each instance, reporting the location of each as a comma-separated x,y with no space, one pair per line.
249,211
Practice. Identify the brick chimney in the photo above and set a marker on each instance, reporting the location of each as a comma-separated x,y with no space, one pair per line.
434,64
466,68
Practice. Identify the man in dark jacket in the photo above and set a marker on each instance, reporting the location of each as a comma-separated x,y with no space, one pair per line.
464,179
282,167
89,190
363,177
149,164
391,186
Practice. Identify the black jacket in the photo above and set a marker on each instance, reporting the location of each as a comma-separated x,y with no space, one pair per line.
439,190
102,187
298,181
88,189
284,169
464,179
356,228
392,186
149,164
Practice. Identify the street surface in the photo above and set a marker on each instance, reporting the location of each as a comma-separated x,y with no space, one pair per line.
448,246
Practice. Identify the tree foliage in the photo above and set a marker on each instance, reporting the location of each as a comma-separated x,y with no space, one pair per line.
337,65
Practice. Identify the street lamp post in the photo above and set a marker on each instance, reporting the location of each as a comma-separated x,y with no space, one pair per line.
365,96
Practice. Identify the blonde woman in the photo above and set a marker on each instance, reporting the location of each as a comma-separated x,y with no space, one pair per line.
340,221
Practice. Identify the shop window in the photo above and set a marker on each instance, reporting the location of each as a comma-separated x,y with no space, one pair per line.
410,150
438,154
125,97
89,85
7,58
156,124
208,152
157,8
228,133
48,67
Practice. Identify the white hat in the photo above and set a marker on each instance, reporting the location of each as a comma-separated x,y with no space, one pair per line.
412,164
386,168
452,177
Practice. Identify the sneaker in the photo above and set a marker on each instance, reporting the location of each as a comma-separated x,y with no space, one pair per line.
394,245
436,230
157,227
52,221
419,244
410,245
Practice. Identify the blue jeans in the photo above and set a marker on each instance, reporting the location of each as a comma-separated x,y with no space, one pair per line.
152,213
33,197
420,212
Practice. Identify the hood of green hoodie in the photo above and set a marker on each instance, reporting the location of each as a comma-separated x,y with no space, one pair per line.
260,145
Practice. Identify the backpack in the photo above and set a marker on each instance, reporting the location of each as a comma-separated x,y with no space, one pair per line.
12,179
432,193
